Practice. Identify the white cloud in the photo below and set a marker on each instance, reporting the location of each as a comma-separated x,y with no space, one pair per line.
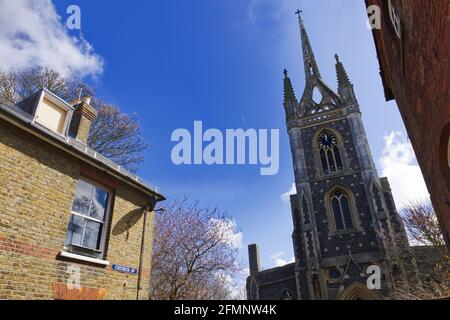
251,12
235,283
278,261
286,196
33,34
229,227
398,163
272,10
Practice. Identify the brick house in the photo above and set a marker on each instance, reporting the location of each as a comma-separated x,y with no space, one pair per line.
73,225
413,49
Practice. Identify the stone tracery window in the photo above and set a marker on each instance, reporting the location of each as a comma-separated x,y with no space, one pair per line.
341,210
330,157
340,204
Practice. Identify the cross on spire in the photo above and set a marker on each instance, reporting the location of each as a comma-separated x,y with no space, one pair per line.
299,13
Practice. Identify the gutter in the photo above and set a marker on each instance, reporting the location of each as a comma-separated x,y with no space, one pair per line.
62,143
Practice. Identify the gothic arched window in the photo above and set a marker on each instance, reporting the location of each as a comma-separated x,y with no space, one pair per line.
330,158
341,210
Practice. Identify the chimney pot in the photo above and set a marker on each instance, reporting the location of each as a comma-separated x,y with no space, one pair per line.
86,99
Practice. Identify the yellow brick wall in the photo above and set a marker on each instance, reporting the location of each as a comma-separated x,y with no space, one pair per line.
83,130
37,187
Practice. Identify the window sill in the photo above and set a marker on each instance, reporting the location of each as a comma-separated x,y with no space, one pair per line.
344,232
78,257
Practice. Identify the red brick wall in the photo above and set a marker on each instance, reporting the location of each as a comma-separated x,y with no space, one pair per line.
416,70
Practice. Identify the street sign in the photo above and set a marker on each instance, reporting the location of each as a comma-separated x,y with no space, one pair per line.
123,269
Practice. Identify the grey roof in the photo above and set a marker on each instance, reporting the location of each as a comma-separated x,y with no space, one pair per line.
17,111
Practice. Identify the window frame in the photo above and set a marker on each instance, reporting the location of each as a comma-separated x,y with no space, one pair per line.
101,251
329,196
341,211
443,155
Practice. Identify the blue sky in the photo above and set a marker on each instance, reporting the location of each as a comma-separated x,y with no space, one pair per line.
221,62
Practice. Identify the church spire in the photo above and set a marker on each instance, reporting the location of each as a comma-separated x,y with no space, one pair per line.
290,101
311,68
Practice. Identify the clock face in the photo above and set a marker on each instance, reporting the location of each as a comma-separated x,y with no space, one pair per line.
327,141
335,273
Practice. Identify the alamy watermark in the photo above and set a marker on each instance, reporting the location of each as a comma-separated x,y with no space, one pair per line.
73,277
73,22
374,20
374,279
235,147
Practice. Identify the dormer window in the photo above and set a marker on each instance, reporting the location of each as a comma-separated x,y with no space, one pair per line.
51,116
48,111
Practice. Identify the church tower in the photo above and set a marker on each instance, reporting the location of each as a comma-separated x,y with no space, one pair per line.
349,241
343,225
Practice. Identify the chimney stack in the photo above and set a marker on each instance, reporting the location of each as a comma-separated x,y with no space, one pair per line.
253,257
82,119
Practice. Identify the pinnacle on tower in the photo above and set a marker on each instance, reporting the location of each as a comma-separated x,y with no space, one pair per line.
342,77
289,95
290,101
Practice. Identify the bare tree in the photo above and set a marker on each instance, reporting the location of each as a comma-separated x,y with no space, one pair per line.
194,254
430,254
423,226
117,136
113,133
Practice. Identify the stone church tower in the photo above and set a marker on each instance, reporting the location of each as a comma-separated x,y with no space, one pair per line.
345,220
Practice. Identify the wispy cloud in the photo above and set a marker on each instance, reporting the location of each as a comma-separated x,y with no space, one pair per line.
251,11
286,196
269,10
33,34
278,261
231,233
398,163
